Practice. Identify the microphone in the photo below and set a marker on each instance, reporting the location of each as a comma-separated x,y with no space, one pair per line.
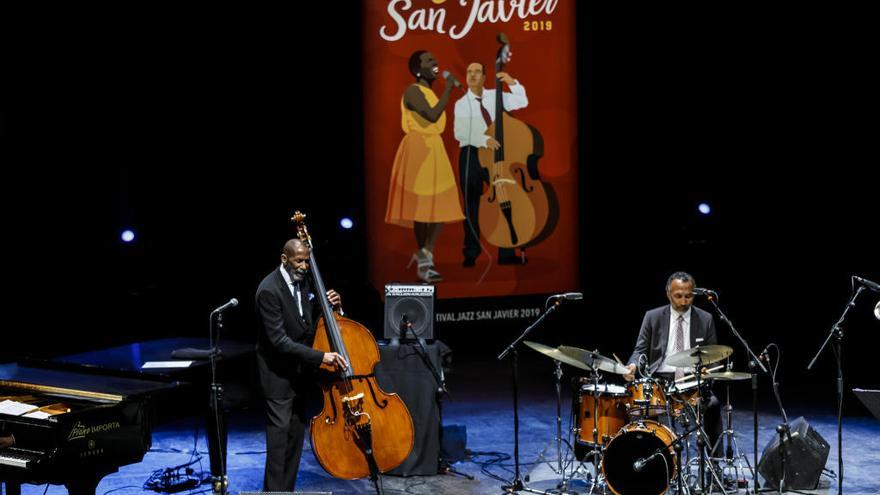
569,296
640,463
449,77
874,286
699,291
765,353
232,303
405,324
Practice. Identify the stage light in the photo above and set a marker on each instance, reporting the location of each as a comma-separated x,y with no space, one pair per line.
346,223
704,208
127,235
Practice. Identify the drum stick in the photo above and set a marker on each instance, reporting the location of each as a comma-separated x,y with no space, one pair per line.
688,377
617,358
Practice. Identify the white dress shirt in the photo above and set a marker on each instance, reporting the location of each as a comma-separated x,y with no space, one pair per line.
296,293
470,128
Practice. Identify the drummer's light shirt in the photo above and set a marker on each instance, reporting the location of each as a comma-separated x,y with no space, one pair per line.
670,342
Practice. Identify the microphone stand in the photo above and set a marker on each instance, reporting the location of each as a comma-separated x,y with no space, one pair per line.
216,431
754,362
837,344
517,483
783,431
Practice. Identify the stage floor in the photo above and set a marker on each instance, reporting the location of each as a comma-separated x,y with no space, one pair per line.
481,401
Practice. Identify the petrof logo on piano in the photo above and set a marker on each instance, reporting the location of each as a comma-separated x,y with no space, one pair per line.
81,431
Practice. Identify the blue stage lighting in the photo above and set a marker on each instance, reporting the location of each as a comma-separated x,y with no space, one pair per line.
704,208
127,235
346,223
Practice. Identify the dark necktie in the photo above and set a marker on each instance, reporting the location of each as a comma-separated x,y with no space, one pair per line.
298,297
486,117
678,343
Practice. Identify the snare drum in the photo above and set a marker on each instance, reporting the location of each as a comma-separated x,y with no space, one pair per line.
647,398
637,442
683,393
609,417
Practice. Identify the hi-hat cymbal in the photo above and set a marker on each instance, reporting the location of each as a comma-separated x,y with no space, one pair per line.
727,376
554,353
703,355
594,359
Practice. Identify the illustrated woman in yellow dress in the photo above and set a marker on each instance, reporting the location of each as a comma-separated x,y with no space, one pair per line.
423,194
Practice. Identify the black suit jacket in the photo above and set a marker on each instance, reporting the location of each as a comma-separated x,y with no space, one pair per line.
284,346
654,334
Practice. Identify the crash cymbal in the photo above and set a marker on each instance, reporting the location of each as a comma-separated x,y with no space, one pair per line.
727,376
594,359
553,353
699,355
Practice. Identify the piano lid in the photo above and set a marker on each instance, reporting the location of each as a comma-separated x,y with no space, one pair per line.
130,358
77,384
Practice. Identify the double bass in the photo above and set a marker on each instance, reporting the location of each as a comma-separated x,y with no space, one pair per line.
518,210
361,430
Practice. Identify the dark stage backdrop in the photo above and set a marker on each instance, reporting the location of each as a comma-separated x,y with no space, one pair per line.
204,131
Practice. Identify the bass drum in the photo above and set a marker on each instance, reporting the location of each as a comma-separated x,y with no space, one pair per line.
638,441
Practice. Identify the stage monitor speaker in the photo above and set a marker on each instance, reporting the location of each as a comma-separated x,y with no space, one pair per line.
806,453
412,304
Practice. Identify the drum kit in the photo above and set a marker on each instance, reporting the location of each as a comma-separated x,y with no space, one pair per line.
637,435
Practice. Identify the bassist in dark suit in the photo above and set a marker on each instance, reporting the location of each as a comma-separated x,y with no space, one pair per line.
288,312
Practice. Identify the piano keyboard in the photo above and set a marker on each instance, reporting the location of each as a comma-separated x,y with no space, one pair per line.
18,457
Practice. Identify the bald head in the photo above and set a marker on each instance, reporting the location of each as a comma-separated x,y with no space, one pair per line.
291,246
295,259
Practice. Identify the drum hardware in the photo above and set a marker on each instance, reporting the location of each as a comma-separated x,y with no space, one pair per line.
559,358
597,447
698,357
733,455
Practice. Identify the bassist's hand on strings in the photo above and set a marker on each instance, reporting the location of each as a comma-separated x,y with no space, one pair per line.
335,359
335,299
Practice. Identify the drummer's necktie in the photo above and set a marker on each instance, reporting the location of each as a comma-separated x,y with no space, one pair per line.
678,345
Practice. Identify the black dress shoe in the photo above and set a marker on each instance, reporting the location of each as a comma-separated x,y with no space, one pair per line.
469,261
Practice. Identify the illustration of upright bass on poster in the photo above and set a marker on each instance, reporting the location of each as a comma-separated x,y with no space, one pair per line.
471,152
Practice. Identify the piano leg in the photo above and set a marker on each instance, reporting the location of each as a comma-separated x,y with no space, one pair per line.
12,488
82,486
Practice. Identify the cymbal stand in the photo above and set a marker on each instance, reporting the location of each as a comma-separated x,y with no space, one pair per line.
702,437
733,456
678,445
562,487
597,448
755,364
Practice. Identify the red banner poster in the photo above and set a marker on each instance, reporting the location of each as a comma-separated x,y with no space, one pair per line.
467,187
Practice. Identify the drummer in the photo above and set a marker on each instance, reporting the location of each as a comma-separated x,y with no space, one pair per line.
690,327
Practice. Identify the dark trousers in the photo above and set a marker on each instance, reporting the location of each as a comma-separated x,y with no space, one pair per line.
712,424
285,433
471,177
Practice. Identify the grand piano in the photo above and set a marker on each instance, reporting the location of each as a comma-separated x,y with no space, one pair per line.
88,414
